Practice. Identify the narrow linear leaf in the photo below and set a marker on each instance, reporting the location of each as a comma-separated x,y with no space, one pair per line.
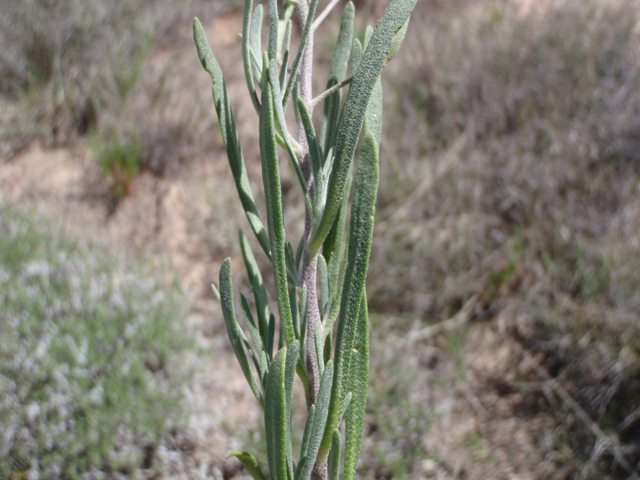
319,341
352,118
306,435
319,421
271,333
335,456
323,273
300,466
327,346
249,462
337,73
356,382
272,48
264,367
373,115
257,286
345,405
247,345
299,252
295,311
314,148
275,219
251,325
332,250
359,246
304,316
216,293
285,58
289,377
246,55
356,55
397,41
255,41
292,268
282,125
230,135
295,68
283,21
233,329
275,417
280,338
314,153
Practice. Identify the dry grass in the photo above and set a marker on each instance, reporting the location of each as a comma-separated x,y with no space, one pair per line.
512,175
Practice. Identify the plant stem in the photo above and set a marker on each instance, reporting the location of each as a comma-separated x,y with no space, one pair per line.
309,265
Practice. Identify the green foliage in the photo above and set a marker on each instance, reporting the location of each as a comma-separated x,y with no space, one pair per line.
87,353
335,388
119,160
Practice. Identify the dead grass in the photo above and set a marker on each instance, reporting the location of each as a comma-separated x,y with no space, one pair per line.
512,174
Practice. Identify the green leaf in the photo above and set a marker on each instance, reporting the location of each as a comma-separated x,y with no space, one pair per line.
332,249
271,333
306,435
257,286
352,118
295,311
304,316
273,30
282,125
319,421
359,246
345,405
315,154
275,219
216,293
255,41
292,268
264,367
356,382
323,273
373,115
337,73
299,252
280,338
319,344
289,377
397,41
249,462
233,329
285,58
334,456
248,346
275,417
356,56
283,23
230,135
246,55
295,68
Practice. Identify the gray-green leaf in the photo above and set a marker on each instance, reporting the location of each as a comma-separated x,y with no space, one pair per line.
352,118
233,329
230,135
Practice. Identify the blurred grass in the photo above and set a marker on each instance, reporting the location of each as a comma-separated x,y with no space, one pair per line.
89,373
512,161
70,68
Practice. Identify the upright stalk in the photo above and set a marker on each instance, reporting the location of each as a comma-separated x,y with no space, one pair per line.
309,265
336,387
